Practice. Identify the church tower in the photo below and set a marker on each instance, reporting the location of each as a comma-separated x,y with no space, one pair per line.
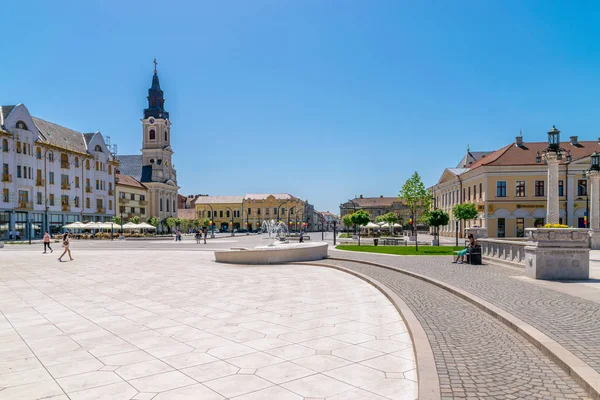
158,173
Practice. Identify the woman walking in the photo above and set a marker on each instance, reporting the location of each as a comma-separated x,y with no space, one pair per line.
66,246
47,242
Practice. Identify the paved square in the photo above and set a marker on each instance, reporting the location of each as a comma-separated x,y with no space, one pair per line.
144,324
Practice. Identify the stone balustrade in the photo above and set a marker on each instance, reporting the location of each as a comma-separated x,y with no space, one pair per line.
510,251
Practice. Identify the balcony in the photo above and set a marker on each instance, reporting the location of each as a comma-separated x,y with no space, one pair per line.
40,182
123,200
101,210
65,165
131,215
6,178
143,202
88,189
26,205
65,186
66,207
111,192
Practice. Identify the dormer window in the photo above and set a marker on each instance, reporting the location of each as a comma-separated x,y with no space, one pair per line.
21,125
98,148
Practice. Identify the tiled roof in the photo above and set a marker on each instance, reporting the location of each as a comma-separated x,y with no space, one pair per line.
4,111
471,157
131,165
376,201
513,155
263,196
219,199
60,136
127,180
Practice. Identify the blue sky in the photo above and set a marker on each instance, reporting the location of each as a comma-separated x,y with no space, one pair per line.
324,99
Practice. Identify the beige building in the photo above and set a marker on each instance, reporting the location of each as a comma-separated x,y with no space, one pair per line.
509,188
131,197
376,206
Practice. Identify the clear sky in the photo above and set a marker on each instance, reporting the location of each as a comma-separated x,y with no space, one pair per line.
323,99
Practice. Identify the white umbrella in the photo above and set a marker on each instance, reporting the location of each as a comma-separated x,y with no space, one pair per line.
75,225
397,226
131,225
108,225
380,223
92,225
385,225
145,225
370,225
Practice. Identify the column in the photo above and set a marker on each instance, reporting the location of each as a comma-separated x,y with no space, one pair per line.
594,177
552,207
570,200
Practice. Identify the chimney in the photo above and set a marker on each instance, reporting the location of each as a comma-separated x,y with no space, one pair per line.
519,141
381,196
361,196
574,141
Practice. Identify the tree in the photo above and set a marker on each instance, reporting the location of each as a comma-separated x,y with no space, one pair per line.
184,224
153,221
390,218
464,212
360,218
206,222
170,222
196,223
347,221
135,220
437,218
116,220
416,198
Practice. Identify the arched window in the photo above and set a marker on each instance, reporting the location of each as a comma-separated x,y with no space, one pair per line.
98,148
221,213
64,160
166,136
5,145
77,161
152,134
21,125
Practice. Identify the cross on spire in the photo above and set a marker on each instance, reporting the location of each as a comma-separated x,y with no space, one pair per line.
155,65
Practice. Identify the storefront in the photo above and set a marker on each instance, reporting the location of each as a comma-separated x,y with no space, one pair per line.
55,223
4,224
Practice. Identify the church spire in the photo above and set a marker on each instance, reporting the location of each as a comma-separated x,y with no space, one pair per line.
156,100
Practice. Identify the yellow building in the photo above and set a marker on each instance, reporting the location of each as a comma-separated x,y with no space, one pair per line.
509,188
251,210
131,197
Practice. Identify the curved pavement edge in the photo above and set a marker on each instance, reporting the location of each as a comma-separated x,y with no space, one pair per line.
428,380
585,375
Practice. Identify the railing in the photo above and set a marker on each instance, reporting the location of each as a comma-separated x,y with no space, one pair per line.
64,165
101,210
508,250
143,202
88,189
65,186
66,207
40,182
26,205
6,178
123,200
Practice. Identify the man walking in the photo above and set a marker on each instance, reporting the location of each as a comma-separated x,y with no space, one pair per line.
47,243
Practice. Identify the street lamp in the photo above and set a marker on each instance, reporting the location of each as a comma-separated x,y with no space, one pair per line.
278,208
212,222
354,206
231,221
552,156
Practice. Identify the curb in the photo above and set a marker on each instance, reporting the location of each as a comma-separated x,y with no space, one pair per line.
428,380
583,374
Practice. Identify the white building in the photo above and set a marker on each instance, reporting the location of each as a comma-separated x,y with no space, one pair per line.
51,175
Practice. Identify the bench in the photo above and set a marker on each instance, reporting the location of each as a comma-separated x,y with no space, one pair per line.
473,256
392,242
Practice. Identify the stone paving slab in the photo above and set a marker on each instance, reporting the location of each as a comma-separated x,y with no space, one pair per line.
572,321
163,325
476,355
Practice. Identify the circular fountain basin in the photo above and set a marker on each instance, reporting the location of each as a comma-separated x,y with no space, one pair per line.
276,253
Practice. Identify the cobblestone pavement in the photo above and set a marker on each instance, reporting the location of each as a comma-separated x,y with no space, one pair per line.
158,325
476,356
571,321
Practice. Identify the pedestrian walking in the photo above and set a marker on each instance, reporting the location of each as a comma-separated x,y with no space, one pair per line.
205,231
10,235
18,235
65,245
301,236
198,236
47,242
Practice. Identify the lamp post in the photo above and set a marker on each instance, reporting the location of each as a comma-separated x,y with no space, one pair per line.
278,208
354,207
212,222
553,155
231,221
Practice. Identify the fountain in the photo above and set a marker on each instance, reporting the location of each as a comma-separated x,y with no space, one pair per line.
274,229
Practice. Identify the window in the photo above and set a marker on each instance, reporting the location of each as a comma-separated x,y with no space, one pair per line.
51,156
464,195
96,165
274,210
87,164
152,134
258,211
166,136
18,171
469,193
167,201
38,153
99,203
142,196
142,211
520,189
64,181
5,195
520,227
582,187
132,210
501,228
64,200
266,210
538,222
64,160
21,125
221,214
121,195
110,169
174,207
5,145
501,189
38,198
474,192
97,184
110,205
208,214
227,214
76,181
122,209
51,199
19,147
561,188
76,201
160,204
539,189
132,196
87,202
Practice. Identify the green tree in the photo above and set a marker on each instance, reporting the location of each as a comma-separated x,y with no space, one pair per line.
116,220
135,220
417,199
390,218
347,221
184,224
153,221
206,222
196,223
464,212
360,218
437,218
170,222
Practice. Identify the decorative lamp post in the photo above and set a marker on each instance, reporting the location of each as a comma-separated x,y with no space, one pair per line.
212,222
552,156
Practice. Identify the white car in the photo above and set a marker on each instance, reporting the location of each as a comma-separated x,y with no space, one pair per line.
216,231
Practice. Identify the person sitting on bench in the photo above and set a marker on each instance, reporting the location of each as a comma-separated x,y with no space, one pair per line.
460,257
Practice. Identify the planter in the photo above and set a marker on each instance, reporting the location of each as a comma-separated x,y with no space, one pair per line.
557,253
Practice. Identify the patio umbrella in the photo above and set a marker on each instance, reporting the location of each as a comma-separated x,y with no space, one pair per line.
75,225
109,225
370,225
145,225
92,225
131,225
385,225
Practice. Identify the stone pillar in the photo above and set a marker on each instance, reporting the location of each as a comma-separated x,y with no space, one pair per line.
552,207
594,217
